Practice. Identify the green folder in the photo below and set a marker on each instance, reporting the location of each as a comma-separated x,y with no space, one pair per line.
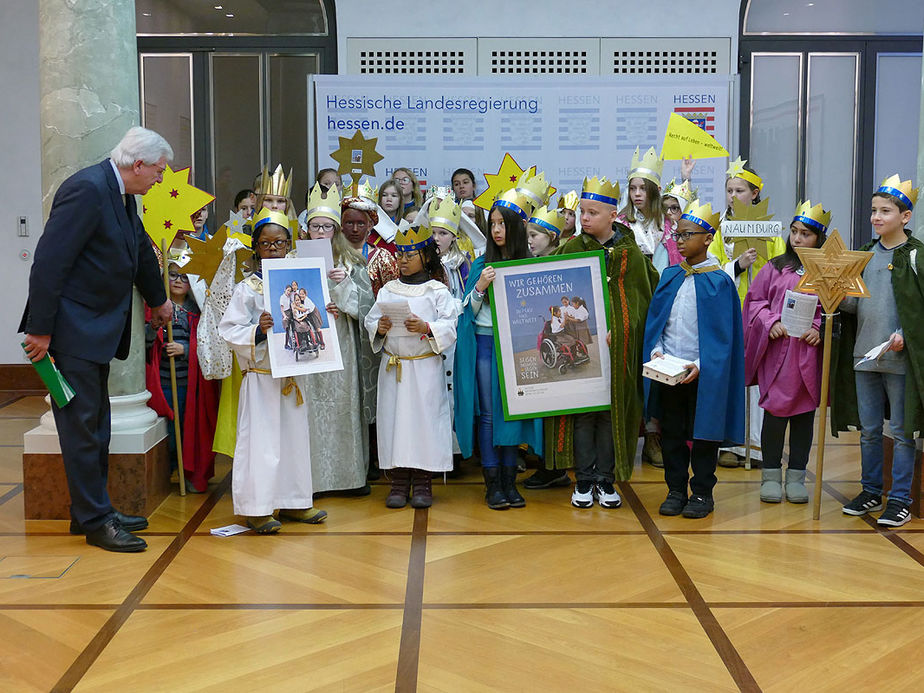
61,391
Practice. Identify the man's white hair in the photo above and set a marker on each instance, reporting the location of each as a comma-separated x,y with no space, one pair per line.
140,144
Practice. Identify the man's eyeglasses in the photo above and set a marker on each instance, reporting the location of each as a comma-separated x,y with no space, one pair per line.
320,227
685,235
275,245
174,276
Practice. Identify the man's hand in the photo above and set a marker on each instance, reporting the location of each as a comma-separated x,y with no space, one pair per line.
266,322
693,374
37,346
898,342
161,315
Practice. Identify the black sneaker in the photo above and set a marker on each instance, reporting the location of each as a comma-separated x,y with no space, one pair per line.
896,514
547,478
864,503
673,504
698,507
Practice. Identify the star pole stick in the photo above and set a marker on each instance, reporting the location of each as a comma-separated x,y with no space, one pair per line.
823,418
176,399
747,406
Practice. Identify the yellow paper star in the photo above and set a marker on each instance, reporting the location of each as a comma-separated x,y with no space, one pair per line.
357,156
205,256
168,205
506,177
833,272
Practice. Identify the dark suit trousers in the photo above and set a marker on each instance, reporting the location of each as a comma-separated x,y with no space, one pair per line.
83,431
678,411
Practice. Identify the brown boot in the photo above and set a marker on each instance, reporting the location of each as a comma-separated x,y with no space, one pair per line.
422,495
400,487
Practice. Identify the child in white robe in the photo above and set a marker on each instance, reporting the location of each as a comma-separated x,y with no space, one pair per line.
271,457
414,420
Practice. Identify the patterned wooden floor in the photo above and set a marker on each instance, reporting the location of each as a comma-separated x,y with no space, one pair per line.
462,598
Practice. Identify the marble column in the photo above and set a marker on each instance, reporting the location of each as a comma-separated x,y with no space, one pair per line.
88,65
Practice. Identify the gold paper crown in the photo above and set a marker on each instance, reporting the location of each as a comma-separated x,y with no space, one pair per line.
895,186
414,238
815,217
367,192
320,206
440,191
649,167
736,170
530,192
277,184
601,190
446,214
269,216
682,192
702,215
569,200
535,188
552,220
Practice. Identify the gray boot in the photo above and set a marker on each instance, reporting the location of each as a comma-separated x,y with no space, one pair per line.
795,486
771,485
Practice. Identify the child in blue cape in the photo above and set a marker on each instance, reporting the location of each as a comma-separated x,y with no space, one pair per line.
695,315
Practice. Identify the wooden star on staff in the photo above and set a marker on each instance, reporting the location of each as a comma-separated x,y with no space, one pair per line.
168,206
205,256
357,156
506,177
833,272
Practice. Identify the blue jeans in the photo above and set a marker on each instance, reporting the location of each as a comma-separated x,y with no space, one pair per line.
491,455
872,390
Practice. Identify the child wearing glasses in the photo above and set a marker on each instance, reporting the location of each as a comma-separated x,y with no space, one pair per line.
197,398
410,188
695,315
271,457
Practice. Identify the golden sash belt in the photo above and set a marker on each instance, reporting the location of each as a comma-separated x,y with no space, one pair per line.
688,270
288,384
394,361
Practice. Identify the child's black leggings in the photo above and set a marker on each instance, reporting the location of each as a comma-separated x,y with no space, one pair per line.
800,439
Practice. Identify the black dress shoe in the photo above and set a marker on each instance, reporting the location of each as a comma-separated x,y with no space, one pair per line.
130,523
112,537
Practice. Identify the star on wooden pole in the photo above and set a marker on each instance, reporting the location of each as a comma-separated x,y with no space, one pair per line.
168,206
833,272
357,157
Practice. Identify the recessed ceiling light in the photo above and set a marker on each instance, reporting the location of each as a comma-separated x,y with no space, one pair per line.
786,14
219,7
810,4
229,15
146,14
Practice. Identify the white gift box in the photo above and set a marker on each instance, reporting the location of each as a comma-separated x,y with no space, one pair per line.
667,369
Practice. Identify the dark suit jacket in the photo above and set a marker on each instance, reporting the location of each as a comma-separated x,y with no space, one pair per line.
92,251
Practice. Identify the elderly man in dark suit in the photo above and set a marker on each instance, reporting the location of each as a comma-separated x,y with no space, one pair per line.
92,251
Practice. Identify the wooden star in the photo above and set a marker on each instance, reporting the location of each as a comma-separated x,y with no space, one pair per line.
833,272
357,156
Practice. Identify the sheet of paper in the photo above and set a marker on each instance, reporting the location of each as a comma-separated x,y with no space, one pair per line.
877,351
316,248
398,311
229,530
798,313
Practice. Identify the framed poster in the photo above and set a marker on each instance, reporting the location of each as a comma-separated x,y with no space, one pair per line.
550,325
304,337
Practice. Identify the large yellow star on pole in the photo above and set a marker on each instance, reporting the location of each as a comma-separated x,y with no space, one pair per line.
833,272
506,177
357,156
168,205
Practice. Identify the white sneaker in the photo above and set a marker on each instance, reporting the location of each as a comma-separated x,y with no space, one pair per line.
583,495
607,496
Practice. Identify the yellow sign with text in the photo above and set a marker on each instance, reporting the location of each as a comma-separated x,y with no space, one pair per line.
684,138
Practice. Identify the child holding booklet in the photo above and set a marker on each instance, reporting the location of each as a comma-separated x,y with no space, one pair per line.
695,315
787,367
